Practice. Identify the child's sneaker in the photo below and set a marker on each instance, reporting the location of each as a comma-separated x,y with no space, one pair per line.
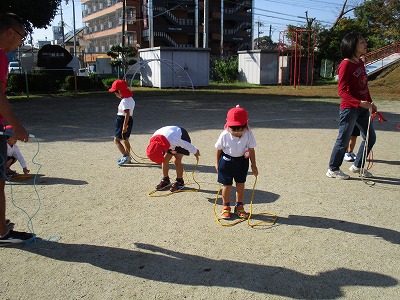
360,171
337,174
226,212
124,160
349,156
176,186
239,210
164,184
16,237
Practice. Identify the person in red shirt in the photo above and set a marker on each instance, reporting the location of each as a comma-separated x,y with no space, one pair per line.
355,106
12,34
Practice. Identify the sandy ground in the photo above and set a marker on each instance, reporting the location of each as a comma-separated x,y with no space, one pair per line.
100,236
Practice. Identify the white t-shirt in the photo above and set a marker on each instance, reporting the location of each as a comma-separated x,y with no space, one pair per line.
173,134
14,152
126,103
235,146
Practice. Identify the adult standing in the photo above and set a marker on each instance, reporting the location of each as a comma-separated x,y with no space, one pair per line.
12,34
355,106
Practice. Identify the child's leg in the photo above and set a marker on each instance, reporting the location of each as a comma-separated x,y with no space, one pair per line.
127,146
11,161
226,195
178,165
120,147
239,208
226,205
239,193
165,164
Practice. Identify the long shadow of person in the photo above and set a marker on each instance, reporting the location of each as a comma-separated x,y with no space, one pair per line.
159,264
318,222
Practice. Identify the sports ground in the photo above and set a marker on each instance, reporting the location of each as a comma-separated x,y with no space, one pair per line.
100,236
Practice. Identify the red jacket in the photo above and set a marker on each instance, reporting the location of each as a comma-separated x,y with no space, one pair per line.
352,84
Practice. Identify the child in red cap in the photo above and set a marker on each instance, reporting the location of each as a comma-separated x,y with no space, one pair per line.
235,146
124,122
168,142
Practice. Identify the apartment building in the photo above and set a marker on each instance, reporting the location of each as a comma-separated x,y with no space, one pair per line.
221,25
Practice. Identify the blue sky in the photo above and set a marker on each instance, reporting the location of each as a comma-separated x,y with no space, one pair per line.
274,13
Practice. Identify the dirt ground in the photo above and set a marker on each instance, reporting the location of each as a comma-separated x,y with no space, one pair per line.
100,236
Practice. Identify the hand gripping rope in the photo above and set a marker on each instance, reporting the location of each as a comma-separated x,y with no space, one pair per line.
21,177
153,193
370,156
273,216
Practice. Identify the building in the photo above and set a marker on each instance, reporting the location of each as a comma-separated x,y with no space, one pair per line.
221,25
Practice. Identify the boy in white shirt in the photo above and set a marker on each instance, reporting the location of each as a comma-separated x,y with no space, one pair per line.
124,121
235,146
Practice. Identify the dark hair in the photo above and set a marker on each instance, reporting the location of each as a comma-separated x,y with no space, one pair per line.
8,20
236,128
349,44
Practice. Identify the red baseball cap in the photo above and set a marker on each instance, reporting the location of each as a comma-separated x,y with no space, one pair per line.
237,116
156,148
8,130
121,86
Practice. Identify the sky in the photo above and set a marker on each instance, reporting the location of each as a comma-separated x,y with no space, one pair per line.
271,15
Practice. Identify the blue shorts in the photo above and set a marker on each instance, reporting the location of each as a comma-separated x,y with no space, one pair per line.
185,136
230,168
3,157
118,127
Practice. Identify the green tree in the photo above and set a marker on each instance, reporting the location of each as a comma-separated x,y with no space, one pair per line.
123,56
381,20
37,13
265,42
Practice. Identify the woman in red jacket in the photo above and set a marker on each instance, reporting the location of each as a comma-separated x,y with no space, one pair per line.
355,106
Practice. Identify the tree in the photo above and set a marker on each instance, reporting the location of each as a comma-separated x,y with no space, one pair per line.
381,19
265,42
122,56
37,13
329,40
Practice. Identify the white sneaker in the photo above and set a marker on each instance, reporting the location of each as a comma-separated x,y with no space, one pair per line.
361,172
349,156
337,174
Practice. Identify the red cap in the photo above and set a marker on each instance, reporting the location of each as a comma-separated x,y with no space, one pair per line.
8,130
237,116
121,86
155,150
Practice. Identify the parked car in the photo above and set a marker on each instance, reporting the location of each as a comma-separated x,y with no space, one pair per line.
83,72
14,67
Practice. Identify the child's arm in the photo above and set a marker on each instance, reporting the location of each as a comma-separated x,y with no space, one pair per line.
253,161
219,152
126,120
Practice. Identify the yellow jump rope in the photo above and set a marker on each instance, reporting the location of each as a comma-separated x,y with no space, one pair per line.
269,222
154,193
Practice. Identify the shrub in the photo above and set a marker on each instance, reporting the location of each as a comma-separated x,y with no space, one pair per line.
225,70
83,83
108,82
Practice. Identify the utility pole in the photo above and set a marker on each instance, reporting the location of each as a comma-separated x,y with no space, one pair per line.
123,23
259,24
73,21
62,24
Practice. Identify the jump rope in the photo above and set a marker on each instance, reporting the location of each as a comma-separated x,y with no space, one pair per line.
153,193
370,156
21,177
